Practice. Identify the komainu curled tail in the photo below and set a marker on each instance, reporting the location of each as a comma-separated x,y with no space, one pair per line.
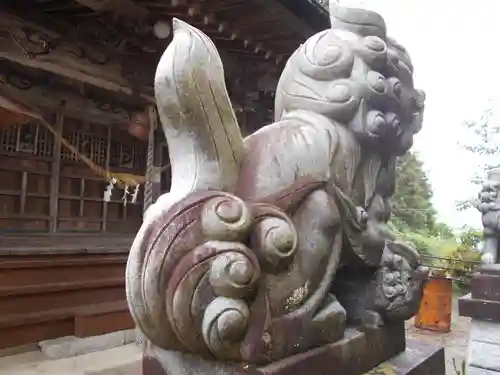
214,271
204,139
206,150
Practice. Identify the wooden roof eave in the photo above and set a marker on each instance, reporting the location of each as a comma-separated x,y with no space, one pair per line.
53,46
46,93
35,45
228,34
312,12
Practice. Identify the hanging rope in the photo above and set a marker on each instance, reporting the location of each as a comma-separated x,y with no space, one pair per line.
121,179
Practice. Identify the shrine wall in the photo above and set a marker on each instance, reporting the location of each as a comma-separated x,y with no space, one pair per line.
28,177
59,275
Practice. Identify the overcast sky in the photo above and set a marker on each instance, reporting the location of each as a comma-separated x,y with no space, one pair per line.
455,50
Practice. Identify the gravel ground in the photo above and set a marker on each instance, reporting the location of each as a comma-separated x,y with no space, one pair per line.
454,342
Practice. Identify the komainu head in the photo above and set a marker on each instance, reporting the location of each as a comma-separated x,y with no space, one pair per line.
358,77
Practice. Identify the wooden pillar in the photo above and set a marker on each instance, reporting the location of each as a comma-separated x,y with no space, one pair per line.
104,226
55,173
24,190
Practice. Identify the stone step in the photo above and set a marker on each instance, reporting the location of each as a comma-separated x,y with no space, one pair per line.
101,318
71,346
26,358
64,243
44,272
58,286
31,298
39,291
20,329
123,360
92,320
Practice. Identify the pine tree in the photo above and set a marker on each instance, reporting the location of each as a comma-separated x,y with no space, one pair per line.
414,217
412,205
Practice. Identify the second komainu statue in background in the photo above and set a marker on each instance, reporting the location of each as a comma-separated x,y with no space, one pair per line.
276,244
488,203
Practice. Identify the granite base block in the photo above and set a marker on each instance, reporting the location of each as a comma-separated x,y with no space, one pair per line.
484,355
484,348
485,287
473,370
417,359
373,351
71,346
484,300
479,309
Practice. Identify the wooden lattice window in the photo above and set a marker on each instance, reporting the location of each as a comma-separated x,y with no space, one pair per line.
28,138
89,139
81,189
127,152
26,165
25,172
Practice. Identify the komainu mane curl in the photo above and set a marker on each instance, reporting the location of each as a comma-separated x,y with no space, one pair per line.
354,74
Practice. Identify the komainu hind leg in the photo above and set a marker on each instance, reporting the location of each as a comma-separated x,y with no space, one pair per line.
304,288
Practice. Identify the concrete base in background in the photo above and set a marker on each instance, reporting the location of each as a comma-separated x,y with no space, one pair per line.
484,348
70,346
483,306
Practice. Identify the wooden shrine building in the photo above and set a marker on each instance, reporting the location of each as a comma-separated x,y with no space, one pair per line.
77,111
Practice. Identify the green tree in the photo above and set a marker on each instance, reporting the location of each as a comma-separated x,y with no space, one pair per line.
414,216
462,259
483,144
411,203
414,220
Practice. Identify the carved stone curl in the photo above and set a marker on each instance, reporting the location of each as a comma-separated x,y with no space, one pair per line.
274,238
251,255
199,272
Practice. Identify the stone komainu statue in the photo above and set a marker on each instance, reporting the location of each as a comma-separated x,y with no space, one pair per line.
270,245
488,203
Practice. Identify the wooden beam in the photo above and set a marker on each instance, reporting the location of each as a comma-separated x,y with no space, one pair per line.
202,16
55,173
16,107
226,38
126,9
224,5
38,47
272,8
32,92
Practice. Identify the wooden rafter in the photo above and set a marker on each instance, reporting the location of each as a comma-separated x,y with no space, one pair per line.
21,85
126,9
43,42
36,46
241,42
198,14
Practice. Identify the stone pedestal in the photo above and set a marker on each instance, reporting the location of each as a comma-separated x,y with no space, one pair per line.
372,351
483,306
